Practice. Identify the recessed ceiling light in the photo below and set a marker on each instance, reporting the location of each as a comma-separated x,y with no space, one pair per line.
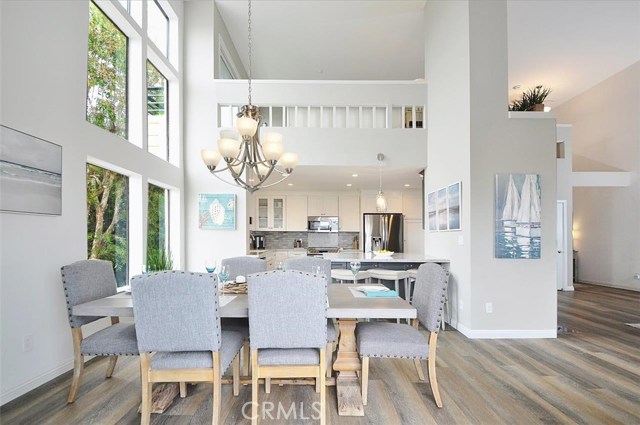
407,185
289,184
354,175
348,184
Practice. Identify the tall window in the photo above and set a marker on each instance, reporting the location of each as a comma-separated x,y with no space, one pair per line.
157,223
225,71
108,219
106,74
157,123
158,26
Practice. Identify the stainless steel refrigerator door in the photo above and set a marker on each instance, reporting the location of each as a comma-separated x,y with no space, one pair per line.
385,228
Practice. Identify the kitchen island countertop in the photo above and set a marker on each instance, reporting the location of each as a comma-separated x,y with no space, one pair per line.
369,257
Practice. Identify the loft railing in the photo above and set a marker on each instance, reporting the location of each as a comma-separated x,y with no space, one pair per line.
345,116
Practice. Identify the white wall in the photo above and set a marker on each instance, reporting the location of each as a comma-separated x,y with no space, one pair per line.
606,130
471,139
44,67
201,132
222,40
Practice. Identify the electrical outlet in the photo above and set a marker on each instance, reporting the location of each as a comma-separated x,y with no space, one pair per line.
27,343
488,307
460,305
460,240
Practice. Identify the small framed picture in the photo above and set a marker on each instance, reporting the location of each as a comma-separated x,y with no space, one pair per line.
453,206
217,212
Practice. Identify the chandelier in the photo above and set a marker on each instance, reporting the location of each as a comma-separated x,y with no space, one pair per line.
249,161
381,201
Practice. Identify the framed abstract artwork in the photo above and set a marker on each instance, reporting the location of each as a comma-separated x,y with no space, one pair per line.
217,211
30,174
453,206
517,216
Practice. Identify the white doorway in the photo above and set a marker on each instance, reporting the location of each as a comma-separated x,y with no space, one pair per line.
562,275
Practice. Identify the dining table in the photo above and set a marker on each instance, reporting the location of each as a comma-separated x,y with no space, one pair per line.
347,303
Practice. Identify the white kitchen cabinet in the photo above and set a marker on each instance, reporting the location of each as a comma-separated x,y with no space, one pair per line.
349,213
296,213
323,205
412,206
270,213
394,203
413,237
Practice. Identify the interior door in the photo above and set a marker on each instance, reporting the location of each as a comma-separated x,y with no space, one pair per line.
561,263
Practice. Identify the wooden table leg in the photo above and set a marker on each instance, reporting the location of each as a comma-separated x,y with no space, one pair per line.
346,365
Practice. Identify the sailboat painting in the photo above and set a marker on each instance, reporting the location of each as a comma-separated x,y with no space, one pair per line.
517,212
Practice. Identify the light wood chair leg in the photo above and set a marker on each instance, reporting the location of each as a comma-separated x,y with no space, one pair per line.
246,358
432,369
267,385
323,388
145,362
419,369
217,388
254,387
236,375
330,364
78,364
183,389
364,379
112,365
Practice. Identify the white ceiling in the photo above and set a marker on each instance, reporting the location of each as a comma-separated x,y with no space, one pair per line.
569,46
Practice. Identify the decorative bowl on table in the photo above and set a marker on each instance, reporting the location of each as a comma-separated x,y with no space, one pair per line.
383,253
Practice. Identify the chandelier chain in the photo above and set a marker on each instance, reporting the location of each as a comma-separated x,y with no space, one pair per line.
249,37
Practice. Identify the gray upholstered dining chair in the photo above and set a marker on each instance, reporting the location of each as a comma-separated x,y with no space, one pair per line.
287,321
392,340
244,265
178,317
85,281
310,265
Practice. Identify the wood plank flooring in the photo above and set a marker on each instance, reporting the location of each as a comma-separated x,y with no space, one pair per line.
590,374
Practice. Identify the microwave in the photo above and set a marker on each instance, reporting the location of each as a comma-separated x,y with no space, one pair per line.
322,224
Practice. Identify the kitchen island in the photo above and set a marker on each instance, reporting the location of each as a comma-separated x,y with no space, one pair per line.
398,261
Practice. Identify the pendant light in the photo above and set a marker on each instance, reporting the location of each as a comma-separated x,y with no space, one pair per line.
381,201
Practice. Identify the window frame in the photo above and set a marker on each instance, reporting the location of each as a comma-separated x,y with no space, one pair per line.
167,110
127,77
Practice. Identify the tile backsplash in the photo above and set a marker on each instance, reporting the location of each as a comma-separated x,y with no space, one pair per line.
285,240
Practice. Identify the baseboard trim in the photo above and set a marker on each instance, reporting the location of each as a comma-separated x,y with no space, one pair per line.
34,383
610,285
506,333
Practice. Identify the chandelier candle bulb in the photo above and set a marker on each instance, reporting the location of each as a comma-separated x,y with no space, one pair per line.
263,169
211,158
272,146
247,126
229,148
289,160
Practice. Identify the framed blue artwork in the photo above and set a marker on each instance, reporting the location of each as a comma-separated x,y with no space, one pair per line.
217,211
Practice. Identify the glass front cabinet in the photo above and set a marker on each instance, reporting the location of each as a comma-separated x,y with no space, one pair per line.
270,213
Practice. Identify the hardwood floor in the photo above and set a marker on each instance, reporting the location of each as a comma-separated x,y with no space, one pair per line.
590,374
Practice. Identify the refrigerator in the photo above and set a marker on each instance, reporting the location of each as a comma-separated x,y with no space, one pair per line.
382,231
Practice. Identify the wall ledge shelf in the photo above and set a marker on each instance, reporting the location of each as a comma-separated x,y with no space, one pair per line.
532,115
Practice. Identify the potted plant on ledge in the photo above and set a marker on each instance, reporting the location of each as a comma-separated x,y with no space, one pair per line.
531,100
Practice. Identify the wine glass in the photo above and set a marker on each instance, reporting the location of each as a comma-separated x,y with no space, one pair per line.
223,276
355,267
280,266
210,265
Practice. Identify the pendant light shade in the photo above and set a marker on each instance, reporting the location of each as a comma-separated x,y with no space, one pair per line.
381,201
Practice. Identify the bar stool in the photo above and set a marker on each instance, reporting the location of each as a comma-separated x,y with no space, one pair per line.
342,274
413,274
394,275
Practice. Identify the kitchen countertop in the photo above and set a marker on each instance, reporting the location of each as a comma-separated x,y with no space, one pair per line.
369,257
